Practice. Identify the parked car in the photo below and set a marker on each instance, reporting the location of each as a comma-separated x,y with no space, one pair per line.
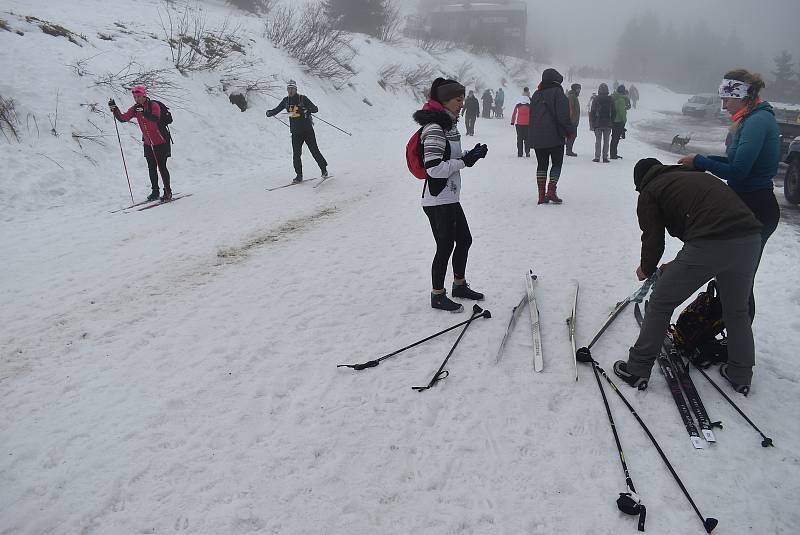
791,182
703,105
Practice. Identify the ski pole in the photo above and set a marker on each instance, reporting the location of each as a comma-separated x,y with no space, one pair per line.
333,125
441,373
585,355
125,165
283,122
628,502
373,363
636,297
767,442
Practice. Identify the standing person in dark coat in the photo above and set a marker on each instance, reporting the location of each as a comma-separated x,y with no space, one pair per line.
470,112
550,127
520,118
601,116
301,126
574,114
722,240
487,104
499,100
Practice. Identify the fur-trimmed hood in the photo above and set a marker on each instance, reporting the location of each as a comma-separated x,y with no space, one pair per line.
433,112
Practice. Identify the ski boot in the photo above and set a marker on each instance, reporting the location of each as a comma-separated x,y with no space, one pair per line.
167,195
740,389
297,179
621,371
154,195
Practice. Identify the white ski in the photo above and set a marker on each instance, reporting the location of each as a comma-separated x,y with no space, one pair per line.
530,284
571,328
514,315
321,182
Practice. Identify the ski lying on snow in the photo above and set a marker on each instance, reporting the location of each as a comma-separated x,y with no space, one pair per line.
515,312
293,184
571,328
674,385
530,285
696,404
159,203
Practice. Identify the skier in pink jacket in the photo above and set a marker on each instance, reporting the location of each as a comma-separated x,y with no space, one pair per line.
155,138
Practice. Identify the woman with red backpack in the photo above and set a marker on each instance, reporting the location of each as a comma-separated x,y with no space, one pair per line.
443,159
156,143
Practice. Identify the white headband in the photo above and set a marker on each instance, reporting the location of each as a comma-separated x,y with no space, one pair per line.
733,89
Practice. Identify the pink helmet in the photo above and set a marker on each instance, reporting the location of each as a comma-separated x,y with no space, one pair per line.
139,91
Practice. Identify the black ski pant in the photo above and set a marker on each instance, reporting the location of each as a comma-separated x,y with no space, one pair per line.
469,123
617,133
308,137
450,229
156,157
765,207
522,140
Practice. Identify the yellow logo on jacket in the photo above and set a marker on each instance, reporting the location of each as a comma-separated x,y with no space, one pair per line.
294,111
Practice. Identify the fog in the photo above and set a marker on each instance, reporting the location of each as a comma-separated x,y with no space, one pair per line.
684,44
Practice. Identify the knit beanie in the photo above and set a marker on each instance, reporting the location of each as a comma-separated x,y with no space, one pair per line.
621,89
291,84
552,75
575,87
443,90
641,169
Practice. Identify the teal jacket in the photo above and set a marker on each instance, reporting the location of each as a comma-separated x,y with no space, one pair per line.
753,153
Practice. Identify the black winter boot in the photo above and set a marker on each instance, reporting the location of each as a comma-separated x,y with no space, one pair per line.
463,290
441,302
154,195
621,371
740,389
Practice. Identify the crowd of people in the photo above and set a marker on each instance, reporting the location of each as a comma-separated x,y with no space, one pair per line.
724,227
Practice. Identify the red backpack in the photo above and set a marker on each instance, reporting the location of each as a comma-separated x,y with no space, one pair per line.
415,155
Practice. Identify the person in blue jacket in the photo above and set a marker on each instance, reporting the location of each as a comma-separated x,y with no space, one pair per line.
752,155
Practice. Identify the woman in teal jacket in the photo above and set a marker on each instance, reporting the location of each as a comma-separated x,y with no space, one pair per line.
752,154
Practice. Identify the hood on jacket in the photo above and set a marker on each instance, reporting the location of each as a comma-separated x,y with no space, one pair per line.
524,100
552,75
602,89
433,112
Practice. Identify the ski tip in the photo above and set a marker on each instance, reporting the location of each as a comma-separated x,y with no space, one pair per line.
710,524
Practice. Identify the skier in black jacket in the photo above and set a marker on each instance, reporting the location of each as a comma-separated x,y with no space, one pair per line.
301,126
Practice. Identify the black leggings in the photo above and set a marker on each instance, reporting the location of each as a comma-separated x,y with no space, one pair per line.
543,157
156,157
449,226
764,206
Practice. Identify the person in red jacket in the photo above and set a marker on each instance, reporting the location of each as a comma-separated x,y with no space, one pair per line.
156,143
520,118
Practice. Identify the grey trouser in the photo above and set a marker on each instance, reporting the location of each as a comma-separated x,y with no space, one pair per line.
603,133
733,264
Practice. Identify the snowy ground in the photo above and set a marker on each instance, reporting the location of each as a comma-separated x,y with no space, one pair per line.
174,370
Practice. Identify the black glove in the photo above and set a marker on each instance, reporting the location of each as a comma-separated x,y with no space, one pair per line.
112,105
139,108
270,113
478,152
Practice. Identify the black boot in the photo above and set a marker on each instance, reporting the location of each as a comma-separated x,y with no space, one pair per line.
463,290
621,371
740,389
153,195
297,179
441,302
167,195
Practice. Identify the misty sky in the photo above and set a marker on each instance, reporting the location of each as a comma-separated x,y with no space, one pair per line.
585,31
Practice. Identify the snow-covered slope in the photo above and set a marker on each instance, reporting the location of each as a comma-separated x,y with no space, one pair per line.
174,370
